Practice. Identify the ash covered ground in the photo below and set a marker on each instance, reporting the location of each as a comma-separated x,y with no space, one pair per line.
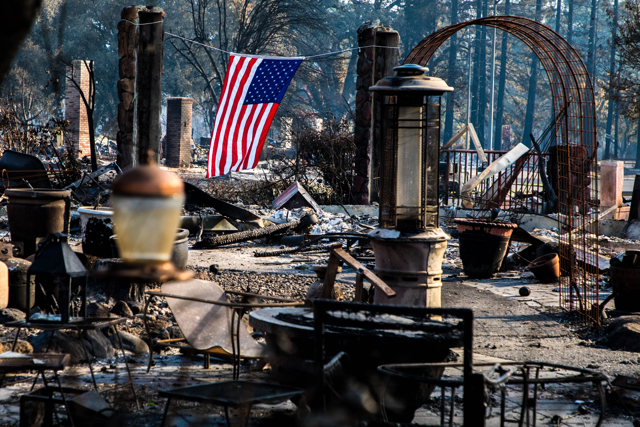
507,327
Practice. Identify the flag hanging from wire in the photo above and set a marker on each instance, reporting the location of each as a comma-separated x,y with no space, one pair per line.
251,94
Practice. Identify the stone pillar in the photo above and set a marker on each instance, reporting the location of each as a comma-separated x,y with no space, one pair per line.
75,110
127,38
611,181
178,140
373,64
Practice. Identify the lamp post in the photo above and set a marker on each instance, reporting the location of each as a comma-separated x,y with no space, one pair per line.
409,245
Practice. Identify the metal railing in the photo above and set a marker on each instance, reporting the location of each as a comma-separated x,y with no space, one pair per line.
518,188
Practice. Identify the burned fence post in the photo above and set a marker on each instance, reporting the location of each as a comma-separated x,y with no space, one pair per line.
149,85
374,63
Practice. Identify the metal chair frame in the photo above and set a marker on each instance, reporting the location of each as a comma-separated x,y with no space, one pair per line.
278,394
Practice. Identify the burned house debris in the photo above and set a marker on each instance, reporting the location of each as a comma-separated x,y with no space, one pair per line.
477,290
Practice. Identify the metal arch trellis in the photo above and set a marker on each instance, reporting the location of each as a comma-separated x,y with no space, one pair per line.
574,159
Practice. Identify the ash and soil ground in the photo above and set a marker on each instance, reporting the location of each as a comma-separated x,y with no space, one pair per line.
505,327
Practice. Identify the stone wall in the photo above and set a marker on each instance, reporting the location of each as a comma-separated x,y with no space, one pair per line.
75,110
178,139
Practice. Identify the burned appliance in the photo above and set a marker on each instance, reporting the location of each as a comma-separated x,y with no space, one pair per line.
60,283
409,246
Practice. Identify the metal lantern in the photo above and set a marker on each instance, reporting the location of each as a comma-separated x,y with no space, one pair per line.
147,202
409,246
60,278
410,132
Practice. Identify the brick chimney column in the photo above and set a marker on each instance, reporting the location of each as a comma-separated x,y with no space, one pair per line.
74,109
178,139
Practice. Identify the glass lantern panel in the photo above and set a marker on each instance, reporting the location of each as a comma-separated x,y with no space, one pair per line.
409,179
146,227
432,163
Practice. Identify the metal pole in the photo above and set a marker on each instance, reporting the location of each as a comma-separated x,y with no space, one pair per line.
493,80
466,145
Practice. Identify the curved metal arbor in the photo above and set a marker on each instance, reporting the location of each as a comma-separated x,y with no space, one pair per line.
567,74
576,142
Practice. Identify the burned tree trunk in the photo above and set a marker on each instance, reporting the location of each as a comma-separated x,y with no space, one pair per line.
533,85
591,55
637,165
373,64
482,84
612,70
149,86
127,40
502,83
570,23
475,80
19,16
243,236
448,119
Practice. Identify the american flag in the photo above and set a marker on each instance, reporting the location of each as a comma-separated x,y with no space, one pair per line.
251,94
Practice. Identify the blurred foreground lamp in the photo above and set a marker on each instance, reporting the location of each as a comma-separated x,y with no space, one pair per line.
409,246
61,282
147,202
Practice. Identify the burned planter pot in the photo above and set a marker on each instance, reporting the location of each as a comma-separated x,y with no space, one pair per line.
97,228
483,245
625,282
546,268
18,283
36,213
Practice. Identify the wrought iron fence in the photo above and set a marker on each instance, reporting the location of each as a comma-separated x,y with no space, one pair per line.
518,188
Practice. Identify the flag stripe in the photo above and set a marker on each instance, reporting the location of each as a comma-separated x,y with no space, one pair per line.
260,135
223,139
247,117
240,87
254,132
222,113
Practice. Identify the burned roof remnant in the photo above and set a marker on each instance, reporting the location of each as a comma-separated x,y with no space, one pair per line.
295,196
197,197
